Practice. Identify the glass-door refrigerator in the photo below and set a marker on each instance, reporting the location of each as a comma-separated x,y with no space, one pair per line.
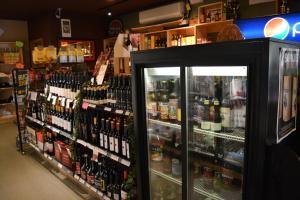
205,116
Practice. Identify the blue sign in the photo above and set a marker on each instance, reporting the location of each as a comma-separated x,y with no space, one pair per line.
284,27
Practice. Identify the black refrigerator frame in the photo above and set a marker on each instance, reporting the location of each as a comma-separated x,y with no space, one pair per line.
261,56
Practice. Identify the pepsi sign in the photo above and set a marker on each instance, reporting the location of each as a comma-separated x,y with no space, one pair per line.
283,27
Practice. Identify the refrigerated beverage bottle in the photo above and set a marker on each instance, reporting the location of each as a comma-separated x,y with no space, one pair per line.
156,147
117,186
101,133
91,173
205,124
164,102
216,122
173,101
85,167
226,115
112,136
153,103
124,189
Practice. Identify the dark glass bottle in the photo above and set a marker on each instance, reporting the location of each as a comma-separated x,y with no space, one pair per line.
129,94
106,135
117,138
94,131
101,133
91,174
124,188
110,185
78,161
85,167
98,176
104,177
112,136
117,186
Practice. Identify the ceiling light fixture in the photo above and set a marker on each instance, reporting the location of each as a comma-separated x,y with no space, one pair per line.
109,13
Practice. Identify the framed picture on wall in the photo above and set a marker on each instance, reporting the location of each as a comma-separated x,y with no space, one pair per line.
86,46
66,28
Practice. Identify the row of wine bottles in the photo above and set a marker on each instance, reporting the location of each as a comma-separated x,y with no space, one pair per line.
105,132
117,94
65,84
104,176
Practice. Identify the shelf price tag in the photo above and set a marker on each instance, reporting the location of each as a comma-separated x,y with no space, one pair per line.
119,112
76,177
92,105
125,162
100,193
127,113
59,165
68,103
49,97
63,101
114,157
33,96
81,180
107,109
93,189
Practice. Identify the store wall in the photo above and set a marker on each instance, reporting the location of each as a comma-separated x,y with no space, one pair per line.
15,30
132,20
83,26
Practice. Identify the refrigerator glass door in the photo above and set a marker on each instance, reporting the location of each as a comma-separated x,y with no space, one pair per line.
216,131
163,115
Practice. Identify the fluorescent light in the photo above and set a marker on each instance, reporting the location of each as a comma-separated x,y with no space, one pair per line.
220,71
163,71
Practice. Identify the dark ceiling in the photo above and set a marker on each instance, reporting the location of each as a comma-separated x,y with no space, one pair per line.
26,9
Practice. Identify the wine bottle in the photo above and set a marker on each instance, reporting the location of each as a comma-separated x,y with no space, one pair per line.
117,186
117,138
85,167
91,173
124,189
101,134
112,136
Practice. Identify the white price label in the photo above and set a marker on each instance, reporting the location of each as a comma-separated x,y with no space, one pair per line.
125,162
46,156
50,158
54,100
76,177
49,97
81,180
114,157
93,189
107,109
33,96
119,111
74,104
100,193
68,103
92,105
59,165
127,113
63,101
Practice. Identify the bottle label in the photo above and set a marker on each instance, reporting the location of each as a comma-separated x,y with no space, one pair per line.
109,194
225,115
105,142
173,104
91,180
101,139
123,195
153,108
116,197
127,150
111,143
83,175
102,185
123,148
216,126
77,168
164,110
97,184
116,145
205,125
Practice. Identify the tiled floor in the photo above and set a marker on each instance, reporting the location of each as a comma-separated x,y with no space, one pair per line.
22,177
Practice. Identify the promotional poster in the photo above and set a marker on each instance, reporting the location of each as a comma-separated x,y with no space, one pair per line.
287,96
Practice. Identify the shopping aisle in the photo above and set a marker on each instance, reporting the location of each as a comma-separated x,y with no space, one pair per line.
22,177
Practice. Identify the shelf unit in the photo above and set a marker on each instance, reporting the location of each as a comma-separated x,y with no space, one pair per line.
65,170
236,135
79,141
203,33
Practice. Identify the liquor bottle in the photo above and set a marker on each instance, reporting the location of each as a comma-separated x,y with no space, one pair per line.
85,167
34,111
127,142
124,141
117,138
94,131
117,186
226,115
216,122
205,125
50,144
173,100
78,161
164,102
101,133
91,173
119,93
98,176
110,91
109,188
124,188
104,177
112,136
106,135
